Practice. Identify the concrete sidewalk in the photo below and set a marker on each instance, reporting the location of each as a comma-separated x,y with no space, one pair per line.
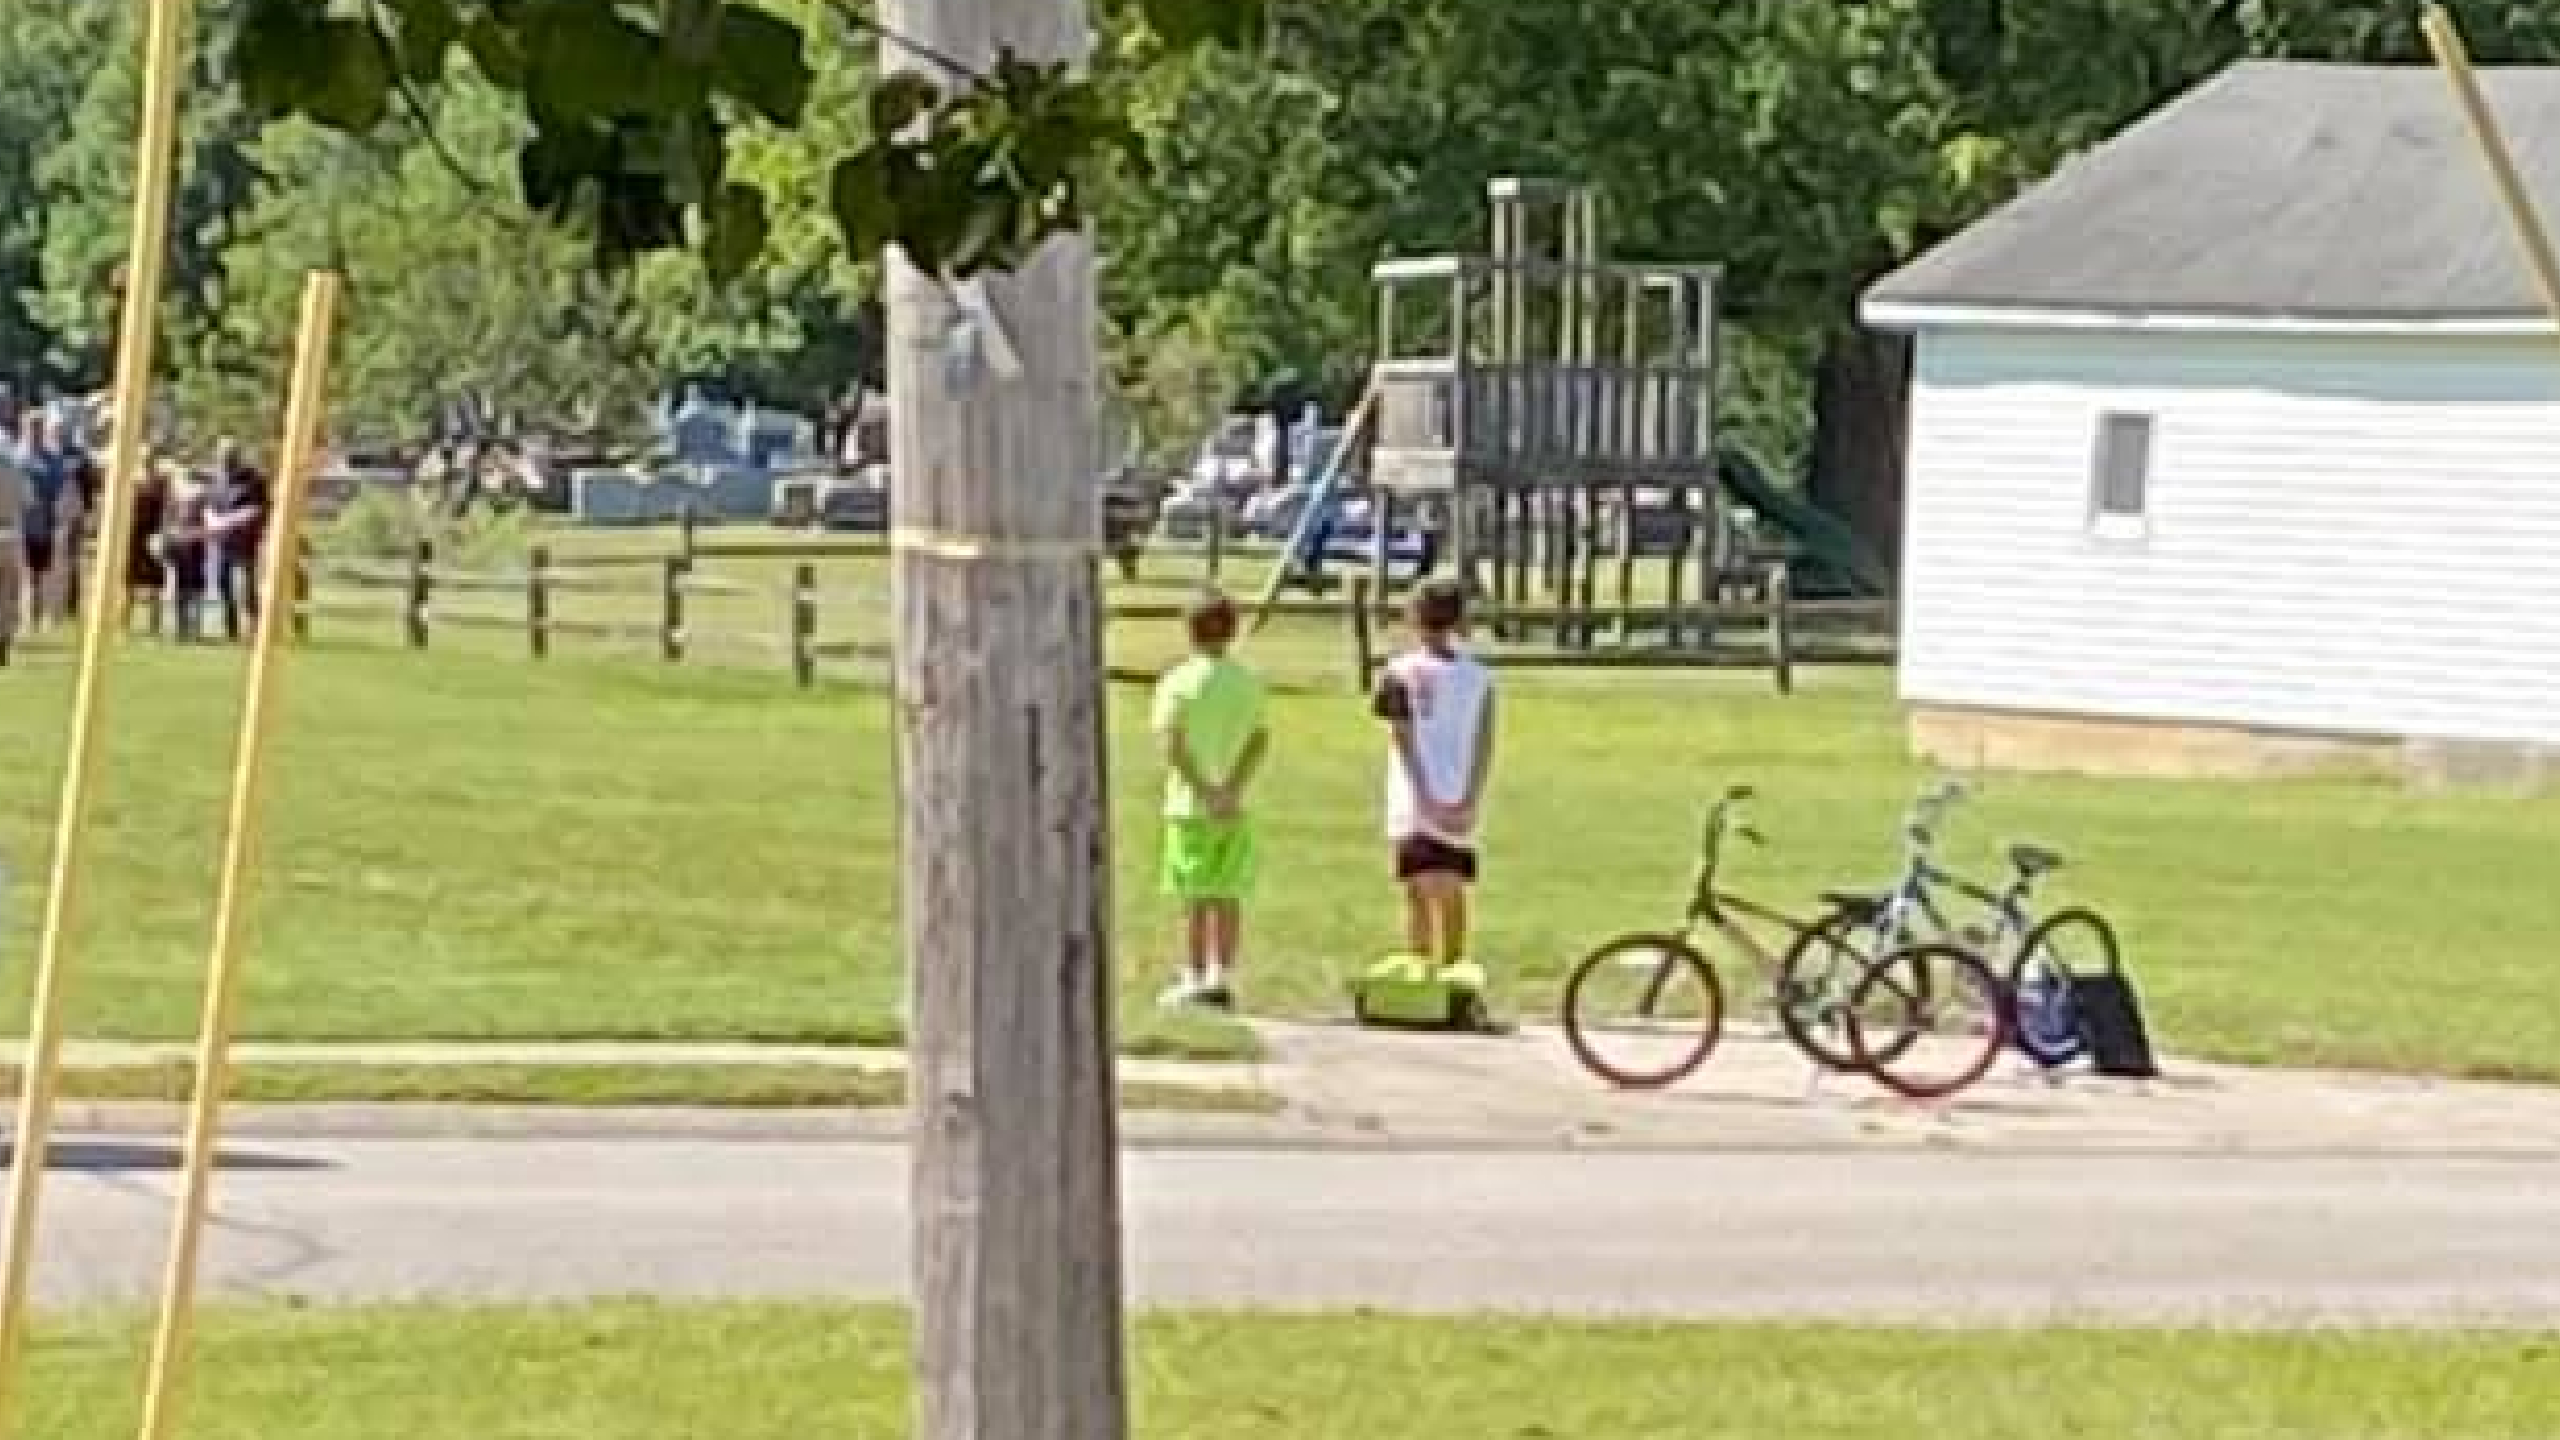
1344,1087
1756,1090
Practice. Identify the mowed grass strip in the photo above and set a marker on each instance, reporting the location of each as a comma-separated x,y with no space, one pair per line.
652,1372
724,1086
471,847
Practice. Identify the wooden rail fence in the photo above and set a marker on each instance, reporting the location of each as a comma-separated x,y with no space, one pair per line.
422,592
1746,628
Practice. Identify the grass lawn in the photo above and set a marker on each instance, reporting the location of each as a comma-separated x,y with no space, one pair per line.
464,845
738,1087
634,1372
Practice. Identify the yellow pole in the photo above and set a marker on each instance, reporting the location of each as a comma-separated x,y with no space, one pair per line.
169,1348
2454,59
154,161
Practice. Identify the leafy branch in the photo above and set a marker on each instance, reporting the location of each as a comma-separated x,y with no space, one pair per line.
632,103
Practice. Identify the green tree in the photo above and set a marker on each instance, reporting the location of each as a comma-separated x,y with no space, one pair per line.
46,50
87,192
633,107
1236,218
802,322
456,290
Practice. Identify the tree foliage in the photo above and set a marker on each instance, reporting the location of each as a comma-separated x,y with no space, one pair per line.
458,294
803,323
44,50
720,174
632,106
86,184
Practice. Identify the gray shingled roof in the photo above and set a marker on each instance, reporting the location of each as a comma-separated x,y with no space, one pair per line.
2273,190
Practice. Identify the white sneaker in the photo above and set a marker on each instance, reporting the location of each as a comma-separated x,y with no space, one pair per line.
1186,990
1214,992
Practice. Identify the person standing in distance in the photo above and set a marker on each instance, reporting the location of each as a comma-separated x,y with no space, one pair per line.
236,531
1208,716
17,506
48,472
1437,702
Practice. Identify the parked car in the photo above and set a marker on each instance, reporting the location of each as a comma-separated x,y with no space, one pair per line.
1228,461
854,506
1193,508
1274,514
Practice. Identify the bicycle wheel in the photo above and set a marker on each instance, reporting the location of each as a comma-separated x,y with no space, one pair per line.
2045,1018
1815,977
1643,1011
1941,1011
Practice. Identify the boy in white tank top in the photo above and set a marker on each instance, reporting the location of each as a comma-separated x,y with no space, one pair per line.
1437,701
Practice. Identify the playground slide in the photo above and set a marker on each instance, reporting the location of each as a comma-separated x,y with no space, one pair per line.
1834,559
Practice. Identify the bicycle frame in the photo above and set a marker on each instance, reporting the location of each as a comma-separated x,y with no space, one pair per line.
1725,913
1916,892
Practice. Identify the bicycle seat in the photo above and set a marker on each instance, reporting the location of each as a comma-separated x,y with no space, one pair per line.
2034,860
1859,905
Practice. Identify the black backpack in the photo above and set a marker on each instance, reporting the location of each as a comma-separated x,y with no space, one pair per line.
2111,1022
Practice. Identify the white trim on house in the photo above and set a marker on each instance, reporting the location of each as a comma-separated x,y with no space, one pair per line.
1915,316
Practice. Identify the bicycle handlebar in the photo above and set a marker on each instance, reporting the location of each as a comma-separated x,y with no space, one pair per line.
1920,827
1939,798
1723,818
1724,815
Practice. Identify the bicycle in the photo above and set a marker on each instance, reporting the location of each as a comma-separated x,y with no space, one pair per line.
2035,959
1942,984
1680,996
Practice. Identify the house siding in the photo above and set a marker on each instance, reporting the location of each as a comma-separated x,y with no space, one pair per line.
2353,536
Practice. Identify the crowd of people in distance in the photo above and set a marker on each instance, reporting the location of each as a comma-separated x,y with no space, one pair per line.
197,539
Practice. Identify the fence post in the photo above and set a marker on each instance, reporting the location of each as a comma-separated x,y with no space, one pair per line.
1684,534
1217,533
1782,628
537,602
685,539
671,576
1627,562
301,587
1382,555
804,625
1364,654
422,589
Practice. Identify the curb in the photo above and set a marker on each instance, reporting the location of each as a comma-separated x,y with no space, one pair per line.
1145,1131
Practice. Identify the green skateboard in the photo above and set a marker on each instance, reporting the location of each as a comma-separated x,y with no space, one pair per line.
1406,992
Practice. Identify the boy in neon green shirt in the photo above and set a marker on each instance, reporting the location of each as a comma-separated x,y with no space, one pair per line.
1208,718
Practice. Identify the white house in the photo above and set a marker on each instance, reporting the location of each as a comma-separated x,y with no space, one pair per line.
2235,444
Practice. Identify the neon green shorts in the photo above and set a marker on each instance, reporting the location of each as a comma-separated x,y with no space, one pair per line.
1208,859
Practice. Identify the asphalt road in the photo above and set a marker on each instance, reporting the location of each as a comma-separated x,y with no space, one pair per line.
1907,1235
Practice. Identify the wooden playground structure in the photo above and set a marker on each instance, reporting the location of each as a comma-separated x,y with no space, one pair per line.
1549,414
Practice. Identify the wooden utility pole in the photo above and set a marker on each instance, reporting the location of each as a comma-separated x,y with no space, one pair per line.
1005,817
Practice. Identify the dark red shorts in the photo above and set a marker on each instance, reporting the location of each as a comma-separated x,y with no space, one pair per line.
1418,855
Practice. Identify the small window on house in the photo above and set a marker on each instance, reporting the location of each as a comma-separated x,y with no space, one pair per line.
2120,477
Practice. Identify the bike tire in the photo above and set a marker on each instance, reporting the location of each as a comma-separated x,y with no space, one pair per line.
1816,1032
1681,960
2044,1021
1953,974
